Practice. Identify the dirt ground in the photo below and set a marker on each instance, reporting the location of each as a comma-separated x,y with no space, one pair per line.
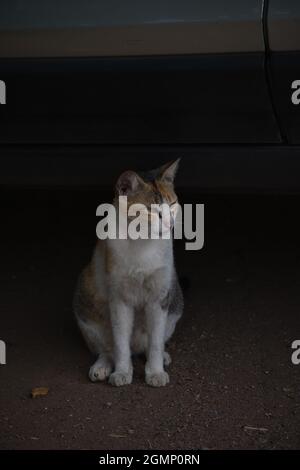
232,381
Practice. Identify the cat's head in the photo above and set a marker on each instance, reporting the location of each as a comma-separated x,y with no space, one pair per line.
152,188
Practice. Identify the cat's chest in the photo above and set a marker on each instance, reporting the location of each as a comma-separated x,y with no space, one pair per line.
140,273
137,284
136,275
140,263
137,287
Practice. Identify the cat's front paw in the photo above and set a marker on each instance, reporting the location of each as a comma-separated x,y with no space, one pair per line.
157,379
120,378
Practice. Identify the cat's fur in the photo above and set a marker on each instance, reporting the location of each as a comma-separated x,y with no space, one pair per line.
128,299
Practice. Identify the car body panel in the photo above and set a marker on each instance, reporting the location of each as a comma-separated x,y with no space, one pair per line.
176,99
97,28
284,25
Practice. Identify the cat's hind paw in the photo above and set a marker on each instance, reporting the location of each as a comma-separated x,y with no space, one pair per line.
100,370
158,379
120,378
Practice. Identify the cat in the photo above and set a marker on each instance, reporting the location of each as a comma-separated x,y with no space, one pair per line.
128,298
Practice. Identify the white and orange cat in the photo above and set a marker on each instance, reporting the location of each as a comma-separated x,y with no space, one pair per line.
128,299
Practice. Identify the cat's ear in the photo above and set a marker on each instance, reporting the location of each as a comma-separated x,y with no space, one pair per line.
127,183
168,171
